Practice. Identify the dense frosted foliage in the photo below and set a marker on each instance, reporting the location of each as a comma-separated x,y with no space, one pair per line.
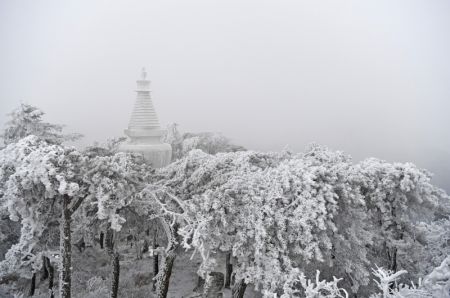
34,174
278,213
401,201
40,181
208,142
438,281
112,182
436,284
280,218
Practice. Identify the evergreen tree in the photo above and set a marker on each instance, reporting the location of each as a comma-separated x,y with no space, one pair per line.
27,120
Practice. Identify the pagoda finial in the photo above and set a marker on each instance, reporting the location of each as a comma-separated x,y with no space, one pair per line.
143,73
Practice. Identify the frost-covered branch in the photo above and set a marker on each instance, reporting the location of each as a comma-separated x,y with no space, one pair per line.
386,279
76,204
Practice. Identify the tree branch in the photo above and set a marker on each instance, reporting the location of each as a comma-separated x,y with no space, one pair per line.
76,204
170,234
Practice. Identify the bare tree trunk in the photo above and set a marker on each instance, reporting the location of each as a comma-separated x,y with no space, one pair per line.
115,276
138,248
109,241
213,285
48,272
239,289
80,244
44,274
155,270
155,258
393,259
32,285
200,285
145,246
115,262
163,278
51,274
102,237
65,278
228,270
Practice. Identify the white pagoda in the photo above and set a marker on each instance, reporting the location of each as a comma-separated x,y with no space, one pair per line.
144,131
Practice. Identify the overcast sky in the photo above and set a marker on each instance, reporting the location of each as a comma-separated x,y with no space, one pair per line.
371,78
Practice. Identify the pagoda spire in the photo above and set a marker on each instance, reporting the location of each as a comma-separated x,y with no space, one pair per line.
144,114
144,130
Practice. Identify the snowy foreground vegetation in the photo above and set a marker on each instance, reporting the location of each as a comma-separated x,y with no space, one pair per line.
219,220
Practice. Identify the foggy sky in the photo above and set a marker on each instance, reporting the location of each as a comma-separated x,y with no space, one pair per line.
371,78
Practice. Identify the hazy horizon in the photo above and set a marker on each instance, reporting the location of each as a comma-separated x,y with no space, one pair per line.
368,78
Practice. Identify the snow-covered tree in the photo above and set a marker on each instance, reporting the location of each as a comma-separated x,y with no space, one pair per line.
436,284
44,180
274,212
313,288
40,180
435,239
398,198
281,212
178,182
274,220
280,216
438,281
112,184
209,142
27,120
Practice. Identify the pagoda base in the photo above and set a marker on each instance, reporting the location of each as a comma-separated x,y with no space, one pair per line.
158,155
